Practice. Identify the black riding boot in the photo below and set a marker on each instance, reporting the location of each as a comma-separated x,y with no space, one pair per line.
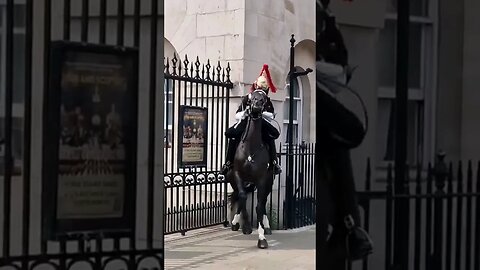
232,145
273,157
348,241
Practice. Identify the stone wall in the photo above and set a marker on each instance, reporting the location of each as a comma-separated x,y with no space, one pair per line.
245,33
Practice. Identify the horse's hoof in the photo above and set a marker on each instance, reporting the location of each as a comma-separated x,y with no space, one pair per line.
268,231
262,244
247,230
235,227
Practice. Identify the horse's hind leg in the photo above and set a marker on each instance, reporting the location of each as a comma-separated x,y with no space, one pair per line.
262,219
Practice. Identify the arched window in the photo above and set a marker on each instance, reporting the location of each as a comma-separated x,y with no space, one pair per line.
297,111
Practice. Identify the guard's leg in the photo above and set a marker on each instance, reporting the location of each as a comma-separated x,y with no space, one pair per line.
233,133
273,157
231,147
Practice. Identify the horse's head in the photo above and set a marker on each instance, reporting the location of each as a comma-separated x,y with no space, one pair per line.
258,98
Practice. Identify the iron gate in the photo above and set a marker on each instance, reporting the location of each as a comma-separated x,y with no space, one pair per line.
444,220
27,29
195,197
303,197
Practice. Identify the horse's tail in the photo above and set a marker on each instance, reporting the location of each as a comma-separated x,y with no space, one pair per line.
233,197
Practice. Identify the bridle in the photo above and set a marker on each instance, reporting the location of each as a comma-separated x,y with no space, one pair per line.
261,109
250,116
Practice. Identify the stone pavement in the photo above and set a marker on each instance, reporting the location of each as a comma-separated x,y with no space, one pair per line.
220,248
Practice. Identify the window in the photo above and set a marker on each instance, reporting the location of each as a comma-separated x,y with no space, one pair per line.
417,8
18,52
421,47
18,74
168,112
297,108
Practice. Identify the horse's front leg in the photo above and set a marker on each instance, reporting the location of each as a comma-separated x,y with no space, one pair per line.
241,212
262,219
247,226
266,222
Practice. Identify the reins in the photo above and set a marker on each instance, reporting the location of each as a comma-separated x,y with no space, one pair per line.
250,118
247,129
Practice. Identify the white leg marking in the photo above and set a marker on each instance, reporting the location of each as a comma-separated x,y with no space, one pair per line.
266,224
236,219
261,232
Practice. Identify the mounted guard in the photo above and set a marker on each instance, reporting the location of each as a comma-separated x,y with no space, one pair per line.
339,131
269,132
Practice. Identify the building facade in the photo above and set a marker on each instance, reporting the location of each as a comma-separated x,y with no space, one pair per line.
248,34
441,106
442,99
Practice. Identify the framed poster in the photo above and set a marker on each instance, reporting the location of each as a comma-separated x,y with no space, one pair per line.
193,129
90,140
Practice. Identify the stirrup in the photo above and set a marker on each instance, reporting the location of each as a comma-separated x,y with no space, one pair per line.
276,168
226,167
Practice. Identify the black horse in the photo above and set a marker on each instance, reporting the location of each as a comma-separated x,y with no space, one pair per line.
252,169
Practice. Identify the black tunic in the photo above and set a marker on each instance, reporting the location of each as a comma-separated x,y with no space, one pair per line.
269,132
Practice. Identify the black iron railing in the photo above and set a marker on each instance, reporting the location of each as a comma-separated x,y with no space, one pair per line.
22,249
303,197
444,221
195,197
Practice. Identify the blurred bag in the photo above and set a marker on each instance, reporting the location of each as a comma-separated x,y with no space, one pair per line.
358,242
339,109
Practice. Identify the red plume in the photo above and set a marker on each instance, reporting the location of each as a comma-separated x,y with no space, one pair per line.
269,79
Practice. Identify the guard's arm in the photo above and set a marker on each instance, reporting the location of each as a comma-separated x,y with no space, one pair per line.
243,106
269,107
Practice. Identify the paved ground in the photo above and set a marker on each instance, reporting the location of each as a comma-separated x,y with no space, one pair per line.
220,248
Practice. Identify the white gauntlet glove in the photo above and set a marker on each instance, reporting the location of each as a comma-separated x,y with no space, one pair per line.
268,116
240,115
